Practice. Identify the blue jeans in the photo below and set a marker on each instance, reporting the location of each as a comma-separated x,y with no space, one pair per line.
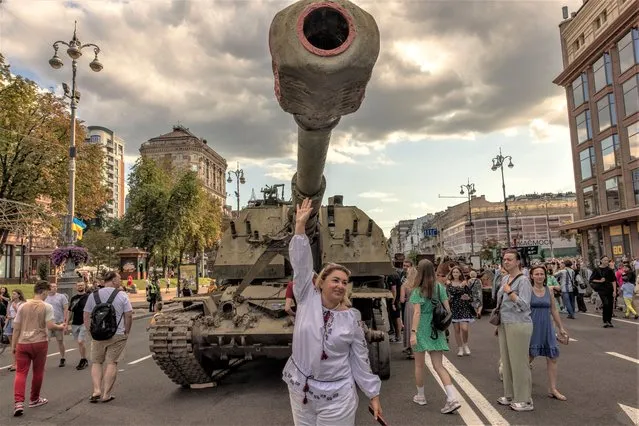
569,303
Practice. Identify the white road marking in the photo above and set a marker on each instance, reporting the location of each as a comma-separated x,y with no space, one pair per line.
465,411
632,412
140,359
626,357
49,355
487,409
614,319
572,340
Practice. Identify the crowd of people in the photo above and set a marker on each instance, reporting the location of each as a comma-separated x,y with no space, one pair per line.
102,313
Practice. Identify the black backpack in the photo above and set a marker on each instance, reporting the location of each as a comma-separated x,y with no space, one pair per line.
104,323
441,316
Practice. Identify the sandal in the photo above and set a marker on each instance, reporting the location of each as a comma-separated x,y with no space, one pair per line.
18,409
95,398
556,395
109,399
12,368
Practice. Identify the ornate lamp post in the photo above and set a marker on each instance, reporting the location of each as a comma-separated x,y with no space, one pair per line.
239,179
74,50
470,190
498,163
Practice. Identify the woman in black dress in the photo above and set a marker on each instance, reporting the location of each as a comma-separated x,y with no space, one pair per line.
460,298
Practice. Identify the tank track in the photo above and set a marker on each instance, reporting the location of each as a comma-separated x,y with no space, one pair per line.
172,348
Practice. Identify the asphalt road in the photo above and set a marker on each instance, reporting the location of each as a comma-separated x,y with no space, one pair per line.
599,373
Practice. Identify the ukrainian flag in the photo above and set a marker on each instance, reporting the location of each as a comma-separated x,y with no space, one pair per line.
78,227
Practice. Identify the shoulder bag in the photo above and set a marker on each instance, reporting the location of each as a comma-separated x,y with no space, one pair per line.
495,315
441,316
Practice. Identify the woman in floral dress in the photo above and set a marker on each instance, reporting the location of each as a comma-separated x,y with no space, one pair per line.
461,306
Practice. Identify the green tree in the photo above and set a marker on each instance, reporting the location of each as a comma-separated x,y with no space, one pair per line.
34,138
488,248
149,191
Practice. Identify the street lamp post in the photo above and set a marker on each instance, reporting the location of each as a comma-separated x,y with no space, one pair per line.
498,163
552,251
470,190
74,50
239,179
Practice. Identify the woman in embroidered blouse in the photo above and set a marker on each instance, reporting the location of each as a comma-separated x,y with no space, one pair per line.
330,353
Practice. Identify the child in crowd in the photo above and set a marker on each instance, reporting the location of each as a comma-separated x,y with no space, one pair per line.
154,318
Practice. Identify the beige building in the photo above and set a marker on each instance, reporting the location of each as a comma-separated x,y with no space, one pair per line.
183,150
600,50
534,220
113,170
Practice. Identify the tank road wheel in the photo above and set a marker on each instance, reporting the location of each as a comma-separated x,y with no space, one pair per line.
379,352
172,348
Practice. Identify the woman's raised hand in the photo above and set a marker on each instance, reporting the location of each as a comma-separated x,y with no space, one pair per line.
304,211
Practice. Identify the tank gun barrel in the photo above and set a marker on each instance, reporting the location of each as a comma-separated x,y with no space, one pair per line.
323,55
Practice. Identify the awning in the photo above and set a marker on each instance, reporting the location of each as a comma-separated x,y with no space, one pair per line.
607,219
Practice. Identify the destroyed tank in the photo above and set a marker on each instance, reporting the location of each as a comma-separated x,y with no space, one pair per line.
323,54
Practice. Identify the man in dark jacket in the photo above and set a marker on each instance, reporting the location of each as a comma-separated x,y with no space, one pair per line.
603,281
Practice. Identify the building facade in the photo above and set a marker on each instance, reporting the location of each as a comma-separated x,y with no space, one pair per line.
534,221
113,171
181,149
600,51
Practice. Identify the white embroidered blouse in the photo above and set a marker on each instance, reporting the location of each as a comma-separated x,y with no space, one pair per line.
329,347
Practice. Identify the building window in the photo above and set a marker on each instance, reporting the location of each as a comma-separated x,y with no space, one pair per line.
610,152
633,140
603,72
613,191
587,159
631,95
584,126
580,90
628,50
601,20
96,139
606,112
635,184
591,205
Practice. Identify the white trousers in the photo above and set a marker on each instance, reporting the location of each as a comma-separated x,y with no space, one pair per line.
340,411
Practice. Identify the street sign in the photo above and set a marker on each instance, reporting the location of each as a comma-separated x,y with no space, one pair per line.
430,232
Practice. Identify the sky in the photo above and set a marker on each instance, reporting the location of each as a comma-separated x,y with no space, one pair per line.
455,81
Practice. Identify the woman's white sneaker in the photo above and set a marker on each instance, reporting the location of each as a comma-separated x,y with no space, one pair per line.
466,350
419,399
522,406
450,407
504,401
460,352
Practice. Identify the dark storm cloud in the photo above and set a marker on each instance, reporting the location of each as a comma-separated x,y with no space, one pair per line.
206,64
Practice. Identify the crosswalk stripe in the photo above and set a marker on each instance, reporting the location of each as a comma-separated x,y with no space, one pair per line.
622,356
465,411
49,355
614,319
140,359
632,412
486,408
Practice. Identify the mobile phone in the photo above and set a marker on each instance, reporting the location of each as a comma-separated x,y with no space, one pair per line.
380,419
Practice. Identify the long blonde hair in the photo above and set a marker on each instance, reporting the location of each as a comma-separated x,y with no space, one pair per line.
411,275
326,271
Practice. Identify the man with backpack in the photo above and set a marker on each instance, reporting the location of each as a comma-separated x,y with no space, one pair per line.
108,316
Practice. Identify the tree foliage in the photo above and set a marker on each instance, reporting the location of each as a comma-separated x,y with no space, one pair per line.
170,213
489,247
34,140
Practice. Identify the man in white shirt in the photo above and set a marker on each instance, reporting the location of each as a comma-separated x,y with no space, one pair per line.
60,304
109,351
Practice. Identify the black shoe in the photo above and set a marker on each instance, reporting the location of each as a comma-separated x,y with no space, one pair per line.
82,364
62,362
606,325
610,325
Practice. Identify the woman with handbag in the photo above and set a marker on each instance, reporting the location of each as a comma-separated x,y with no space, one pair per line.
512,315
428,297
544,340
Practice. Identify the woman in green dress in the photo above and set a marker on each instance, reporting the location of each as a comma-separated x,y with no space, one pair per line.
423,339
